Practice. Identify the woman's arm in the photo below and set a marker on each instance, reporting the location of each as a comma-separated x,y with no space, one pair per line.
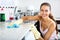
25,18
30,18
50,31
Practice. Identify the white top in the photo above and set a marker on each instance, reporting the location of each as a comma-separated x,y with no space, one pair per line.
53,36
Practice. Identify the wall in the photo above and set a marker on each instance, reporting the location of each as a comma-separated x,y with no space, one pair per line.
35,3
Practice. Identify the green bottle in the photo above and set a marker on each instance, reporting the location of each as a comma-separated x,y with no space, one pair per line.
2,17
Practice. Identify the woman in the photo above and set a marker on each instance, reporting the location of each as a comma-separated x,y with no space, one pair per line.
46,24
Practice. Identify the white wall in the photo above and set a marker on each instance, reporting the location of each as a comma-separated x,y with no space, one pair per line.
35,3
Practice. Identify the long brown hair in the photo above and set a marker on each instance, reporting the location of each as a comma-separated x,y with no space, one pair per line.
50,15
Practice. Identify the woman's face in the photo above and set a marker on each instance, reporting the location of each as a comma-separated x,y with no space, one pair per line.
45,11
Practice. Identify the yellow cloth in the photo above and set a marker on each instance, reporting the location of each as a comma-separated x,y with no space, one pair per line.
19,21
35,31
16,22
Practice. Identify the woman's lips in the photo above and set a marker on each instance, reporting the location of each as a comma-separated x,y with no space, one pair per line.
43,15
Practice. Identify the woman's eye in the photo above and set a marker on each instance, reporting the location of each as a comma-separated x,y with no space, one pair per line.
46,10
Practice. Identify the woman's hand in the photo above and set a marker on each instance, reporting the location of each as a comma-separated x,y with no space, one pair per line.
20,21
36,33
39,16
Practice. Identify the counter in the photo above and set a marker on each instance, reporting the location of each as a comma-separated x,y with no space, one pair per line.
17,33
13,33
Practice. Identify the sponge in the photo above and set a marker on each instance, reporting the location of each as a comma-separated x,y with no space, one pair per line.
13,26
